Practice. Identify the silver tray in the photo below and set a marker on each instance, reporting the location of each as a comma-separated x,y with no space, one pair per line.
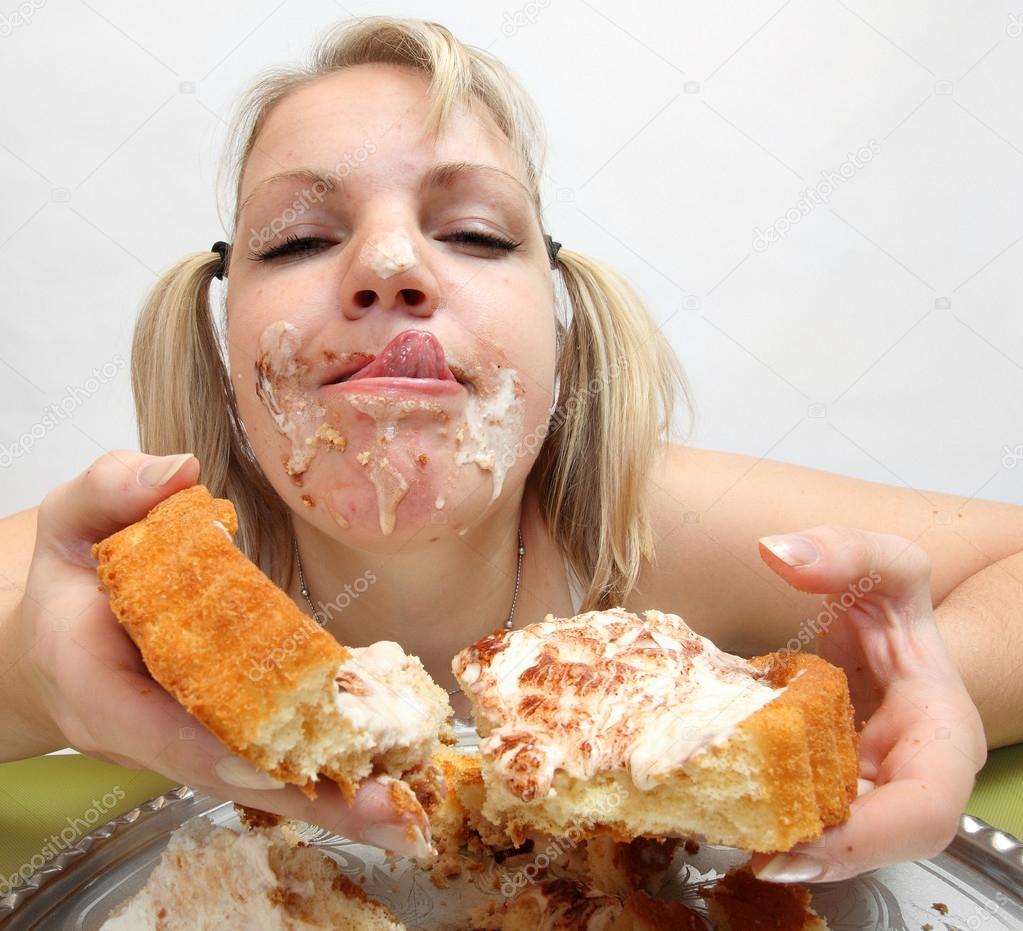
979,878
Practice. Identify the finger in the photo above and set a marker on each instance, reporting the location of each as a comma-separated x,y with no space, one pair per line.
116,490
834,559
927,777
918,711
879,582
140,723
897,822
370,818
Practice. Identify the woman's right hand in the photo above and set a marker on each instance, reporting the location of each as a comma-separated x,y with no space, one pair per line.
86,684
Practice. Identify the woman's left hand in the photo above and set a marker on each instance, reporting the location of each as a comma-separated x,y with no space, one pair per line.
923,741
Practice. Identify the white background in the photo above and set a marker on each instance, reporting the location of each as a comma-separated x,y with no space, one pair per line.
881,338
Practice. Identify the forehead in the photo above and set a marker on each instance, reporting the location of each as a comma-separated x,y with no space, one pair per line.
377,108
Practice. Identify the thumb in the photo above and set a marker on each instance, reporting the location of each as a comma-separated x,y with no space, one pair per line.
834,559
118,489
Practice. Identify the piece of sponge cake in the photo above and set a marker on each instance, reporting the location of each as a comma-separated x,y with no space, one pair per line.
613,723
260,674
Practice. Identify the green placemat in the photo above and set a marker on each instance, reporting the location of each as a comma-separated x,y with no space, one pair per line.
998,796
48,803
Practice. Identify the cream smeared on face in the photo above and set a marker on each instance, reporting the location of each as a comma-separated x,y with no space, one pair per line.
389,483
493,428
476,424
280,373
388,254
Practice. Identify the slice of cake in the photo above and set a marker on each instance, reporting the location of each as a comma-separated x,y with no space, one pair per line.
212,878
613,723
239,655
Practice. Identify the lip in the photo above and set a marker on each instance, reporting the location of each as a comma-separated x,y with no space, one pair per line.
348,368
433,387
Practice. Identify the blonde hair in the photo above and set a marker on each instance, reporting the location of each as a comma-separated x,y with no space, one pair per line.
618,377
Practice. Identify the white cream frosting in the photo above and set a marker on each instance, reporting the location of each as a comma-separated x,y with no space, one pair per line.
388,253
279,375
493,426
603,691
379,694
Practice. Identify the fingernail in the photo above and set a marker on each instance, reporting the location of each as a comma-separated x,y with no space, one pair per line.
792,549
791,868
863,786
404,839
159,471
243,775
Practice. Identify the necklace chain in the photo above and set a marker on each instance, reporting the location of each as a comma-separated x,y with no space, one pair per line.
509,622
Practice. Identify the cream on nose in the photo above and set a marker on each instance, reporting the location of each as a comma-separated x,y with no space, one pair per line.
388,253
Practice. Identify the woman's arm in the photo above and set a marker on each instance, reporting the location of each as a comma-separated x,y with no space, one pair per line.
25,732
710,508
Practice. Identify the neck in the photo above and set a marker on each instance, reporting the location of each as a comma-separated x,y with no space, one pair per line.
432,598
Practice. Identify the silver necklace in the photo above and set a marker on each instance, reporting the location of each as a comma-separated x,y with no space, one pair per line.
509,622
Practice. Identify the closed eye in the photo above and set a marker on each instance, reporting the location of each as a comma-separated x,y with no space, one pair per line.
310,245
292,245
486,240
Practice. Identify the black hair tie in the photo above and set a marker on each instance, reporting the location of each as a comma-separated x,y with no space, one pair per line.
222,248
552,249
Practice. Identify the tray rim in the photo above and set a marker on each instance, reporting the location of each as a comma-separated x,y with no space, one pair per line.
994,853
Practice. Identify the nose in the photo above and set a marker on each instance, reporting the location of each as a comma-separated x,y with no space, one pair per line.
388,274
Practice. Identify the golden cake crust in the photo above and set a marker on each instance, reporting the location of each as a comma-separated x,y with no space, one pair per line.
208,621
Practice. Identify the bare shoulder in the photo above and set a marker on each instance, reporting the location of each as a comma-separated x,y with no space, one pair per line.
708,510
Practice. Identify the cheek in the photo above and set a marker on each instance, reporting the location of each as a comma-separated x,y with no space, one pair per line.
511,318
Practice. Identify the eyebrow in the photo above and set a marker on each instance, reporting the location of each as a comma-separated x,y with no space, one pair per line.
448,173
443,174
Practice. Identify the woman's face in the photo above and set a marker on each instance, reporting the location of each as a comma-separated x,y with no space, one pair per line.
390,311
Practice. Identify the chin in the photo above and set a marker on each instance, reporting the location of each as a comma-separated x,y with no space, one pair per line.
392,496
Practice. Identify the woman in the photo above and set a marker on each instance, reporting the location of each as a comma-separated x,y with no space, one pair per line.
433,421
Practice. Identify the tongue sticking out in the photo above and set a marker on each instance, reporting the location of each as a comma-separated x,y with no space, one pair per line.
411,354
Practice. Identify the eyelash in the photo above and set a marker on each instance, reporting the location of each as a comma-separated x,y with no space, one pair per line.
302,245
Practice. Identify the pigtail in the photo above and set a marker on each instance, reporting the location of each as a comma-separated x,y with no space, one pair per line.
618,381
184,402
